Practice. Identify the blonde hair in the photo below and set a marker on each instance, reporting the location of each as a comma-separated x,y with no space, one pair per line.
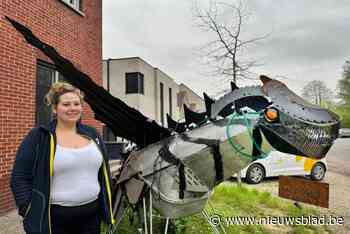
58,89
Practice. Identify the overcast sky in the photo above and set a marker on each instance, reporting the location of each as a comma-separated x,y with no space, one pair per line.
308,39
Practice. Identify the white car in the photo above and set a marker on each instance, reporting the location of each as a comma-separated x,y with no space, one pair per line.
277,163
344,132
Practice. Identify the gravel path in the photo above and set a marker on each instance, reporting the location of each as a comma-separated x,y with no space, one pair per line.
11,224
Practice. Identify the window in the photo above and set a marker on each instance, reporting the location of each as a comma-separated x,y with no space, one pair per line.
108,135
75,4
46,76
170,103
162,103
134,83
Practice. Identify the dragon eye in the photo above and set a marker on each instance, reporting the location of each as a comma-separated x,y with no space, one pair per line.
271,115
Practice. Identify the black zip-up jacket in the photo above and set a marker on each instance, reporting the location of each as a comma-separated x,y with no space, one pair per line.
32,175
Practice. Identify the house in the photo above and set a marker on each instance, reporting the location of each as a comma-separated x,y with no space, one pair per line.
147,89
142,86
74,28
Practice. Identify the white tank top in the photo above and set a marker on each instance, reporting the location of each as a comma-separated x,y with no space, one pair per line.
75,178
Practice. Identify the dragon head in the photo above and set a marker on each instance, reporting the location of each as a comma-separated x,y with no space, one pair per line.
289,123
292,125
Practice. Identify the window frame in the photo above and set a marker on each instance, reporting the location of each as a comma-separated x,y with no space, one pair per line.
76,5
140,83
170,102
161,96
108,135
53,79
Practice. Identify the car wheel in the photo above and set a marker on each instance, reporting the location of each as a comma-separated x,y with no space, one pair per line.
255,174
318,172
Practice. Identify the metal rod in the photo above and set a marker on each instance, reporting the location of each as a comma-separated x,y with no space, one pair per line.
150,212
166,226
145,214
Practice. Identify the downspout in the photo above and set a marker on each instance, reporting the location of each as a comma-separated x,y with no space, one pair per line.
108,82
108,78
157,116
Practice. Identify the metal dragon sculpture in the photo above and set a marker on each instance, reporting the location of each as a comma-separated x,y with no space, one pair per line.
177,167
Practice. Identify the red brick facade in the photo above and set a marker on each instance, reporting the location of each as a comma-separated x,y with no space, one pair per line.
75,36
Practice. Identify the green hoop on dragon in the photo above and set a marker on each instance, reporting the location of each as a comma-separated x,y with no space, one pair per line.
264,149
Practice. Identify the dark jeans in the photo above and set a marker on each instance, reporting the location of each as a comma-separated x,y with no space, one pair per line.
75,220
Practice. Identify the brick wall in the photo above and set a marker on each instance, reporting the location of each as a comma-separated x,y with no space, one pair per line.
77,37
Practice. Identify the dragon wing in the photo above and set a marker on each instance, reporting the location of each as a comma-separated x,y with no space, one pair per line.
123,120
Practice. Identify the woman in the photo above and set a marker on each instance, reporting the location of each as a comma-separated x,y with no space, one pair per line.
61,179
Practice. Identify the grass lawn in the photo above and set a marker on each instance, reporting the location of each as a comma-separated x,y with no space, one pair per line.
230,200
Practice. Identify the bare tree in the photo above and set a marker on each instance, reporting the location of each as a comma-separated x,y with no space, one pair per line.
317,93
226,21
